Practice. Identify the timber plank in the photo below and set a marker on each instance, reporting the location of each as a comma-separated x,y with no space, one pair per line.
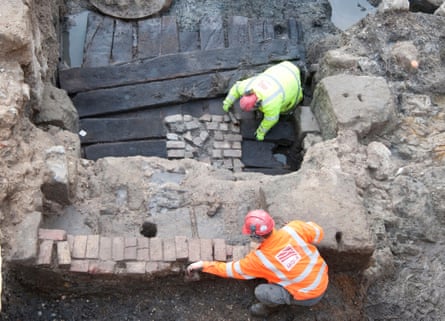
99,40
149,38
283,132
211,33
169,35
238,31
177,65
188,41
259,154
261,29
99,130
123,149
122,50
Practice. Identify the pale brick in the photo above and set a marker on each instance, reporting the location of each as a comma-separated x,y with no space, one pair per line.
169,250
233,138
63,254
171,144
218,118
143,253
92,250
194,250
217,153
221,145
206,249
105,248
219,248
130,251
239,251
151,267
173,118
175,153
79,246
181,245
101,267
118,248
136,267
45,252
79,266
156,253
235,153
52,234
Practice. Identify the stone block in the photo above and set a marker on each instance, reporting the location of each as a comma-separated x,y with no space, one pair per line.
118,248
206,249
194,246
52,234
156,253
45,252
181,245
219,248
63,254
92,248
79,246
101,267
135,267
233,153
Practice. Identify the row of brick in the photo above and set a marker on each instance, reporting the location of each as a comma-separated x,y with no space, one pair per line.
131,255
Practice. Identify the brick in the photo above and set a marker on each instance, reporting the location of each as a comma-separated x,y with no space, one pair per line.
63,254
136,267
79,266
221,145
101,267
194,250
239,251
233,138
45,252
105,248
219,247
156,253
218,118
175,144
229,250
143,249
70,239
118,248
236,145
130,251
169,250
181,246
206,249
236,153
217,153
151,267
175,153
92,250
79,246
224,127
52,234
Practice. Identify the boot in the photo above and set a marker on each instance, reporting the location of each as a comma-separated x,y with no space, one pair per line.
261,310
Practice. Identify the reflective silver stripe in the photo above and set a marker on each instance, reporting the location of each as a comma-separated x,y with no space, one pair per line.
317,232
229,269
297,78
262,129
316,281
298,239
276,93
273,118
231,98
248,88
270,266
314,258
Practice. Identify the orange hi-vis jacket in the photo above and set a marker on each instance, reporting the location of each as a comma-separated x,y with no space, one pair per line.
287,258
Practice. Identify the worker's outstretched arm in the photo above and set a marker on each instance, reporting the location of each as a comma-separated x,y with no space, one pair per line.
269,120
235,93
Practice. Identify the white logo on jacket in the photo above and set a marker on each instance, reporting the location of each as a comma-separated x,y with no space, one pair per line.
288,257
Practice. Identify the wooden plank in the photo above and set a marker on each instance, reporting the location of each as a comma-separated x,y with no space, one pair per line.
122,50
174,91
169,35
211,33
99,40
238,31
177,65
283,132
268,171
259,154
124,149
149,35
261,30
188,41
99,130
295,32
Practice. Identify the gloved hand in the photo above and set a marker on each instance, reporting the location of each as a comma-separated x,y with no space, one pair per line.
259,135
196,266
226,107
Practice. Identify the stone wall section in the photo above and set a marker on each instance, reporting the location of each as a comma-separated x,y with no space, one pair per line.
213,139
96,254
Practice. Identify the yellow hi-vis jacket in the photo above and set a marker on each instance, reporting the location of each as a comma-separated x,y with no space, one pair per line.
287,258
278,89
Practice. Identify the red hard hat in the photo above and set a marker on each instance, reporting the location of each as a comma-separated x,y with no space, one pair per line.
258,222
247,102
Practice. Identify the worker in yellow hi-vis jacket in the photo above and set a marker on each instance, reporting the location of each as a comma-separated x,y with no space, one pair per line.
274,92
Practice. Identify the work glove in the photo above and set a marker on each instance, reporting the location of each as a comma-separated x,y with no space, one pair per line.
259,135
196,266
226,107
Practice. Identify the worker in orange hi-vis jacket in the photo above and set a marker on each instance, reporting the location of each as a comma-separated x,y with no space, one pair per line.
287,258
